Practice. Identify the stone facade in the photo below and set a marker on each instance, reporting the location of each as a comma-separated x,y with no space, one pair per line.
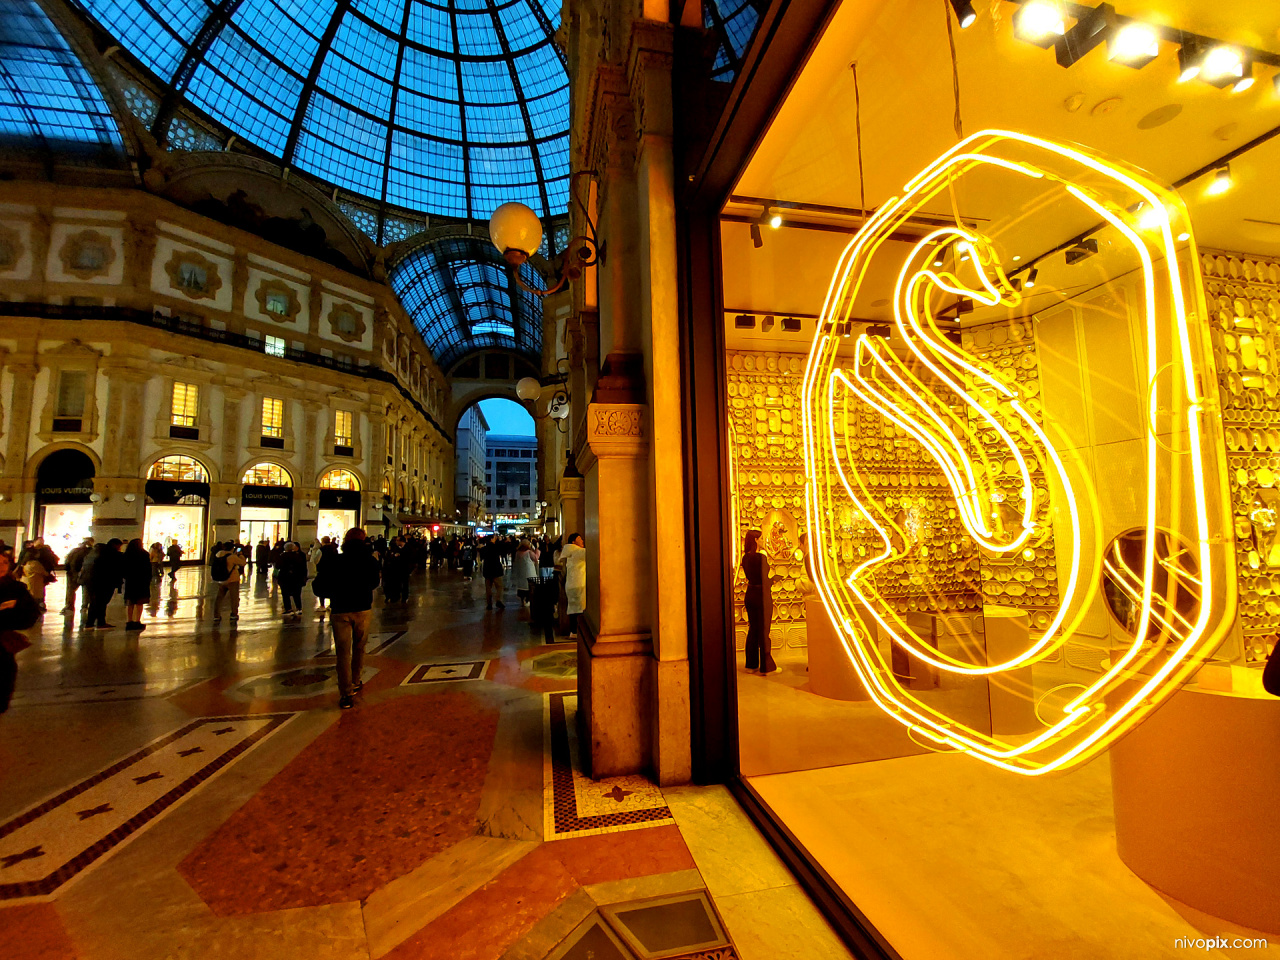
110,298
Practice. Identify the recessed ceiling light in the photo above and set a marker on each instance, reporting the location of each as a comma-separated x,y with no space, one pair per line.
1040,22
1134,45
1183,237
1016,259
1221,181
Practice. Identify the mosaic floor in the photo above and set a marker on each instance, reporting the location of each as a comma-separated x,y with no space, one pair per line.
194,792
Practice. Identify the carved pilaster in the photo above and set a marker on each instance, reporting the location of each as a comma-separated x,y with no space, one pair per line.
24,371
231,399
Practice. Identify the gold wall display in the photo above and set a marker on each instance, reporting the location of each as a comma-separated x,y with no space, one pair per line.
1242,293
767,465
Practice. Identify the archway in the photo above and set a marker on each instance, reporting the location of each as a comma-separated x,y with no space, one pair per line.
497,466
177,508
339,503
266,503
65,498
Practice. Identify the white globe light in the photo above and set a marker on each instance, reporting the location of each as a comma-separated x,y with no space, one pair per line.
528,388
515,228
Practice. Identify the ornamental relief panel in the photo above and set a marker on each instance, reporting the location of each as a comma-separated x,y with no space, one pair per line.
277,300
87,254
193,275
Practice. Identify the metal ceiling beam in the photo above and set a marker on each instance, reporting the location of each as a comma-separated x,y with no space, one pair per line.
309,84
524,106
213,25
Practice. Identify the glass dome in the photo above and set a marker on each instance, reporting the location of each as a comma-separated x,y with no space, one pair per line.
448,107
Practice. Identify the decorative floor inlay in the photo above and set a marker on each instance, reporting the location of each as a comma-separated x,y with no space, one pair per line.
101,692
297,683
442,672
53,841
377,643
561,664
575,805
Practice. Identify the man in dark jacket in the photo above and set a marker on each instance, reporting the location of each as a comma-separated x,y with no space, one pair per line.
101,574
75,560
351,577
174,553
18,611
395,572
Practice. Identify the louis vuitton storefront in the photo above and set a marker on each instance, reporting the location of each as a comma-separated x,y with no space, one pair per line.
995,375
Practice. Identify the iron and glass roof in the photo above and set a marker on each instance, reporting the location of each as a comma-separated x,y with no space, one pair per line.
463,298
47,99
447,107
733,23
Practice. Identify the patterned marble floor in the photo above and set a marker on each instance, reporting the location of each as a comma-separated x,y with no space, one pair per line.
193,791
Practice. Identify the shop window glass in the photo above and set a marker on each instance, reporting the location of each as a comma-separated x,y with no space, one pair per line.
71,393
266,475
178,468
272,417
343,432
339,480
185,404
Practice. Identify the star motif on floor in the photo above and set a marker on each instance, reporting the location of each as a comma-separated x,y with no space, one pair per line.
14,859
147,778
94,811
617,793
190,751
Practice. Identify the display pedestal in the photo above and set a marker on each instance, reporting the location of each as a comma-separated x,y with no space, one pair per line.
831,674
1013,709
912,672
1195,788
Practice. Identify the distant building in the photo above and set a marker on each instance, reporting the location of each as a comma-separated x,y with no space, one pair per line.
470,445
511,478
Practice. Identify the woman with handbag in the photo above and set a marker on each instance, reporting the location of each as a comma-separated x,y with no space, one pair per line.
18,611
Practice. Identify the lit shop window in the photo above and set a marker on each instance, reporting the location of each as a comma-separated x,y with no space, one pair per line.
185,405
272,417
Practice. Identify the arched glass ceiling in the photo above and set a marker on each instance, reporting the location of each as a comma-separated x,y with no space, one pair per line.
47,98
734,23
462,298
449,107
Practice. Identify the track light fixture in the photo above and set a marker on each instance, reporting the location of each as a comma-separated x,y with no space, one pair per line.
965,14
1134,45
1221,181
1040,22
757,241
1032,276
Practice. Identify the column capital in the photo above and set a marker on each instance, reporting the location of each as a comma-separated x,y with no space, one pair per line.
617,430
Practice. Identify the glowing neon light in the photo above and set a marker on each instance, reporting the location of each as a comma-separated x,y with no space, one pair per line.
943,398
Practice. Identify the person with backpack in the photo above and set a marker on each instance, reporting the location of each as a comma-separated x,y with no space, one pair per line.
354,575
175,558
225,568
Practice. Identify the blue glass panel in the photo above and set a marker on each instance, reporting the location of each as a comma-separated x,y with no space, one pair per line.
342,146
295,48
495,124
547,113
430,26
46,95
158,39
487,81
359,88
476,36
415,112
388,14
540,73
521,27
228,86
429,74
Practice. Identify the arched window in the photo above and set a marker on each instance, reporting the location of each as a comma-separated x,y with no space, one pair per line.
179,468
266,475
339,479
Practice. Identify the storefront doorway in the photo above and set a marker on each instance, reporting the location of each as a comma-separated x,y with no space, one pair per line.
64,510
339,504
177,506
266,504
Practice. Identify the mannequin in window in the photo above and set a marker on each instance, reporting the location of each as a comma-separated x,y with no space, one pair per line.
758,603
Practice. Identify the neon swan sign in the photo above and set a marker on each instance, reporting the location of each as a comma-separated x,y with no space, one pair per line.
979,433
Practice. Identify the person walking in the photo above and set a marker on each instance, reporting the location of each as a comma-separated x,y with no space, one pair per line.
175,558
354,575
18,611
156,555
225,569
135,569
262,557
320,587
573,561
492,570
758,604
36,576
104,578
523,569
291,571
395,572
75,561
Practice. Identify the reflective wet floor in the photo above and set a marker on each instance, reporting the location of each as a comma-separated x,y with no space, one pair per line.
192,790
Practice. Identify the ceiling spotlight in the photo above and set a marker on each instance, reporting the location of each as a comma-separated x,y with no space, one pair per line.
1090,30
964,12
1189,57
1245,82
775,220
1135,45
756,240
1183,237
1017,258
1223,66
1221,181
1150,218
1040,22
1032,276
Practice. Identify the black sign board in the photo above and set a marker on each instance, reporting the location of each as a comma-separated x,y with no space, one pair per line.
252,495
340,499
175,491
58,493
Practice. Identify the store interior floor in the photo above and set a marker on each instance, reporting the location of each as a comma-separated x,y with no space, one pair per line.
193,791
948,858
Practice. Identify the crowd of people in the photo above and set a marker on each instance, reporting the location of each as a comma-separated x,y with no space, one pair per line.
343,578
